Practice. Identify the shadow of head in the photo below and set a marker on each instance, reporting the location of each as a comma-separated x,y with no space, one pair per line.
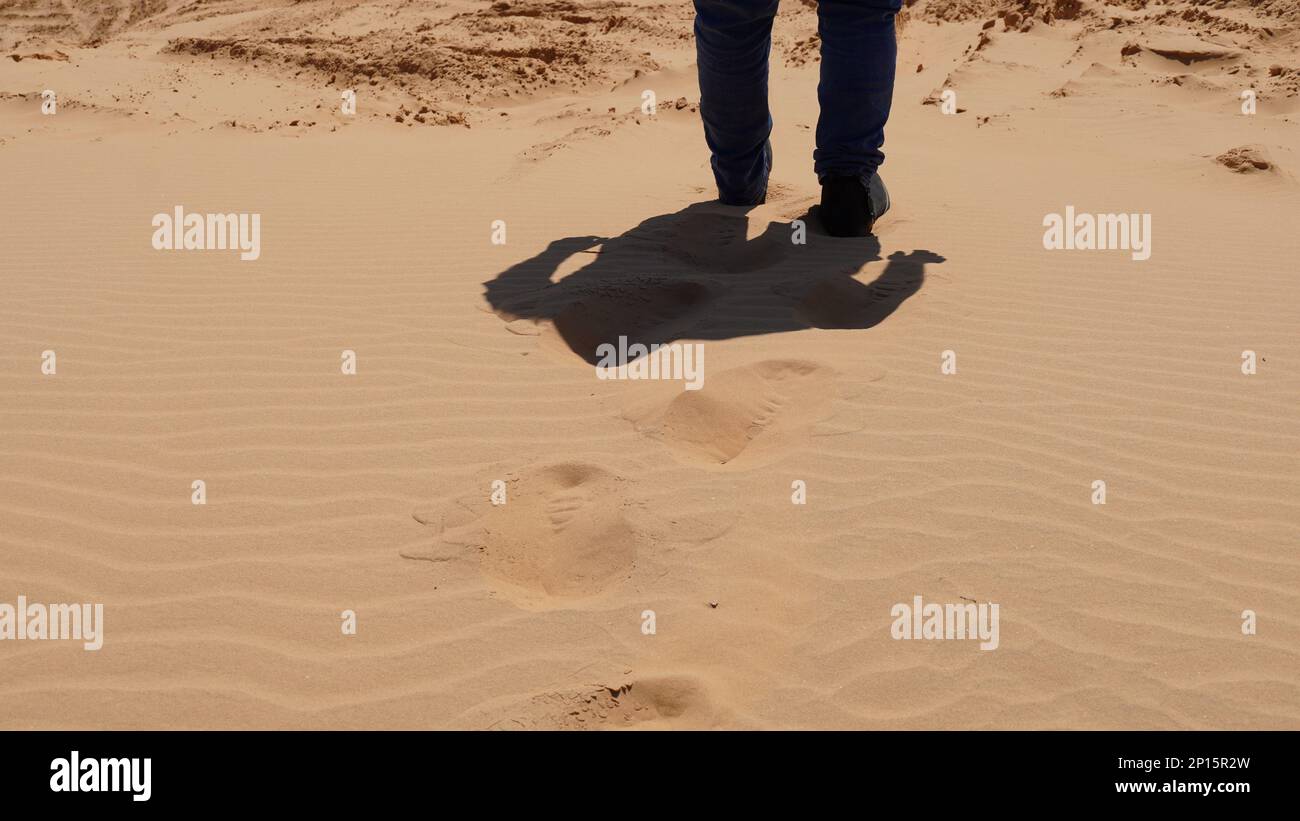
702,273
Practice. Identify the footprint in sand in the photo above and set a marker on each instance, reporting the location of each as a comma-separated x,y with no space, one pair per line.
562,531
743,416
654,702
678,701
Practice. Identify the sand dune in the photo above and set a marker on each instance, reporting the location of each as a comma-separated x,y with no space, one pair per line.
632,505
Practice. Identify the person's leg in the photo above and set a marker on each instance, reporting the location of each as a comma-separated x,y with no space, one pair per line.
857,85
732,41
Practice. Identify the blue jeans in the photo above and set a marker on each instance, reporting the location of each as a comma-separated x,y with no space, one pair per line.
733,39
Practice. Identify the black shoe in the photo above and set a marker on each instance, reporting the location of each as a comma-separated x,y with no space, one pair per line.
850,210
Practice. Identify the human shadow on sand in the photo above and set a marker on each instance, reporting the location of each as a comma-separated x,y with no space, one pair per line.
693,274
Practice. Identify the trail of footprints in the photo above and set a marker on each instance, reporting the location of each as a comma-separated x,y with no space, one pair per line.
572,530
587,514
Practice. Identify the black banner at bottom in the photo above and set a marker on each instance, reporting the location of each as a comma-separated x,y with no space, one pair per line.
140,771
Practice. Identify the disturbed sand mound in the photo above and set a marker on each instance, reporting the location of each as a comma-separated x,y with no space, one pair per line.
1214,51
463,62
93,22
1246,159
1219,11
502,51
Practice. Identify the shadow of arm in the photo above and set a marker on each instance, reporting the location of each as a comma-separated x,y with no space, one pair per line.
515,290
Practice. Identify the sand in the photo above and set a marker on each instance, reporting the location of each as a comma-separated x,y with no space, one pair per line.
372,492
